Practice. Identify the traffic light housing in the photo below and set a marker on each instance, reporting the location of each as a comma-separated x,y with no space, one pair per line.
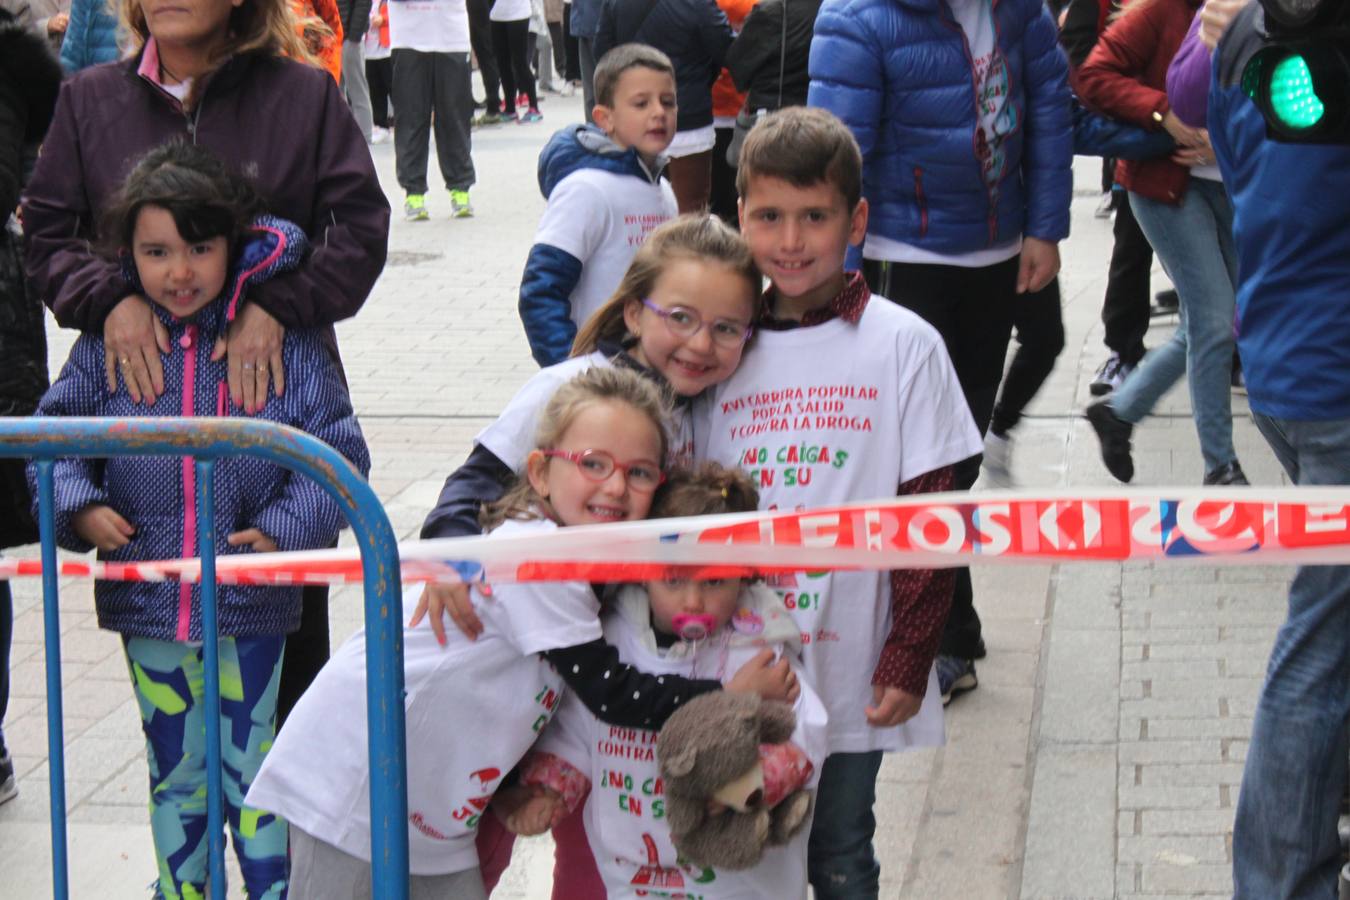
1301,79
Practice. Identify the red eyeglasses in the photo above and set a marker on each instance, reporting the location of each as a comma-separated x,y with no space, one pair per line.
642,475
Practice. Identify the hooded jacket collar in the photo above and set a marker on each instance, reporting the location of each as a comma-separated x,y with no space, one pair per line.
587,147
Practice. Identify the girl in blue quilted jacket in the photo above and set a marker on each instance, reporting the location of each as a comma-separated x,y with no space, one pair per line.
187,232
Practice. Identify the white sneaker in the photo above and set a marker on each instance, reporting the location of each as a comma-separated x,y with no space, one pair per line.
998,460
380,135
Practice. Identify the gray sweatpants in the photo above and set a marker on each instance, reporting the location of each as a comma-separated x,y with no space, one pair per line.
320,871
427,83
354,86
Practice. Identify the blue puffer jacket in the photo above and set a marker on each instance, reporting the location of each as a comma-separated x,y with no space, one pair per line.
154,493
552,274
91,36
1291,225
898,72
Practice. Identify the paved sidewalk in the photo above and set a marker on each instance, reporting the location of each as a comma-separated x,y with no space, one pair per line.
1100,756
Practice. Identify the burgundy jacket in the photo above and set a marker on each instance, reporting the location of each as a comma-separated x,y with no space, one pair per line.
1125,77
279,122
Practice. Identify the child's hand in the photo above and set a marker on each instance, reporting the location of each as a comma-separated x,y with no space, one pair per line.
102,526
891,706
132,334
527,810
254,538
771,680
440,599
376,20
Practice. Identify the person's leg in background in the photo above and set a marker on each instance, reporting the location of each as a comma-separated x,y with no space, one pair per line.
841,863
1193,240
1284,836
1125,306
972,309
691,180
354,86
380,80
587,57
722,196
558,44
501,48
480,38
453,124
518,41
307,647
412,105
9,788
1039,323
542,56
571,48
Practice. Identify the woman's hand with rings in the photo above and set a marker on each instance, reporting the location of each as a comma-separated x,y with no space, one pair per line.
133,339
252,345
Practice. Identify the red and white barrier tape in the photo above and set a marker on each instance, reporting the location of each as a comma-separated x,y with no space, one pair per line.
1236,526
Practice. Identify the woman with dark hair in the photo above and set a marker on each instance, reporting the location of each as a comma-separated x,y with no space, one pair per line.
222,74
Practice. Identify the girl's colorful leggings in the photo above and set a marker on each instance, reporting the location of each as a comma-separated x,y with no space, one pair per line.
168,678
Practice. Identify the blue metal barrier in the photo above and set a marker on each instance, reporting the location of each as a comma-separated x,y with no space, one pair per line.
206,440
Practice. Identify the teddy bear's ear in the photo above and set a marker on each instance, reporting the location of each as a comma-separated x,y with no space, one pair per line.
681,763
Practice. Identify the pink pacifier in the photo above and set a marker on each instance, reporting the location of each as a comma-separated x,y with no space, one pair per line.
693,627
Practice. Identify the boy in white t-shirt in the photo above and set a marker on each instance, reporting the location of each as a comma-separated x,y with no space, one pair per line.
605,195
841,400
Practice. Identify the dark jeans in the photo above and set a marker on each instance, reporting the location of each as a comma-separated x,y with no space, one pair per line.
511,44
423,82
973,311
480,38
1040,338
722,200
306,651
572,70
380,77
6,638
559,45
586,55
1125,308
841,864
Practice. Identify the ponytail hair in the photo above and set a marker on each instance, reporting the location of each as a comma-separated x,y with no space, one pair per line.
695,236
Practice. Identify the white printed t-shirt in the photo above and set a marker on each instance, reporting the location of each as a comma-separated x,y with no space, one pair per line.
473,709
624,814
601,218
509,10
842,413
996,119
431,26
511,436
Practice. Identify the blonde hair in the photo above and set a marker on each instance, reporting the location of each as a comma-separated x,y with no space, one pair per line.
268,26
695,236
709,489
601,384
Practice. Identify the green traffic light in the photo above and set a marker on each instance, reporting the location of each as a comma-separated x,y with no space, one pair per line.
1293,99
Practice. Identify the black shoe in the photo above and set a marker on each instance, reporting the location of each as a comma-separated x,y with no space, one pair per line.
1114,435
1168,300
1227,474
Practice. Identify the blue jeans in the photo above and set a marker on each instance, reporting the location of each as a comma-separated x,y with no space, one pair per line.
1284,841
840,862
1194,241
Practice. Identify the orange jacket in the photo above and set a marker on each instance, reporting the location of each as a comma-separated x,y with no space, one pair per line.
727,101
327,49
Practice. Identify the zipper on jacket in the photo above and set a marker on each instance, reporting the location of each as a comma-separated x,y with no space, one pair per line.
189,344
923,203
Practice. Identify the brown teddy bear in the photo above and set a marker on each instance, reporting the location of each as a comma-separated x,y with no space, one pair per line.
714,756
